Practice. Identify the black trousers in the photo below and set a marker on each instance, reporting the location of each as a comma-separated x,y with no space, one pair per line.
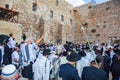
0,72
27,72
107,72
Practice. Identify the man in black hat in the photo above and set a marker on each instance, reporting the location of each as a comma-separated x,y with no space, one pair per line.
42,66
7,53
116,67
67,71
93,72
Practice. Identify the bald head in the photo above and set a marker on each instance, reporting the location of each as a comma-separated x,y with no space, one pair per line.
28,41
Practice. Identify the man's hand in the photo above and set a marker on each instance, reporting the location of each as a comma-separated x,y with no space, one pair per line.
39,40
42,36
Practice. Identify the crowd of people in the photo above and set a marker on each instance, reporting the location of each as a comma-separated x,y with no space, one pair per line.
69,61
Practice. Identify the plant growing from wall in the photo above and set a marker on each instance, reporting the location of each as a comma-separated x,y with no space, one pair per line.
104,26
89,7
97,35
93,30
85,24
117,41
97,26
107,8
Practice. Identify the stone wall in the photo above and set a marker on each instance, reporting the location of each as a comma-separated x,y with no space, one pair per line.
81,14
101,21
7,27
39,22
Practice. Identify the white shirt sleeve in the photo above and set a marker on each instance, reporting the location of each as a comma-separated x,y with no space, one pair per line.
15,55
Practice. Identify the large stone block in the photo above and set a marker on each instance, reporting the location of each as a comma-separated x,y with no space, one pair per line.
15,28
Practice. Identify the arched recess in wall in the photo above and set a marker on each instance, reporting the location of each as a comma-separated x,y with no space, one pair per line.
3,38
56,32
59,34
41,26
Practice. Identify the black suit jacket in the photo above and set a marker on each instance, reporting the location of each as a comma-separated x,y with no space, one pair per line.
106,63
0,57
116,71
93,73
7,55
68,72
0,60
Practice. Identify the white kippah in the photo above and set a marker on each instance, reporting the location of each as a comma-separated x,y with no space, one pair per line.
8,71
53,52
96,44
109,47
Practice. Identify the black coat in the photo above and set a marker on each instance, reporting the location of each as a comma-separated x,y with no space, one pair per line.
7,55
68,72
0,57
93,73
0,60
114,61
116,71
106,63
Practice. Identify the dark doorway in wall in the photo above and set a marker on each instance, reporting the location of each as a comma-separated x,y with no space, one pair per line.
3,38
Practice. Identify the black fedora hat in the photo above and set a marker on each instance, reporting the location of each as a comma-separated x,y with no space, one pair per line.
73,57
46,52
117,51
82,53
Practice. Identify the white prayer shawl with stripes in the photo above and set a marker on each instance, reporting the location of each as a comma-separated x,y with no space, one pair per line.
2,51
41,69
83,62
32,54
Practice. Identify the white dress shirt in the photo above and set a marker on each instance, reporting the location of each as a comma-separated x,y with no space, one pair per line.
15,54
12,42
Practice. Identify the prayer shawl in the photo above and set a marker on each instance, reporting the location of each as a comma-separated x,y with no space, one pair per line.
112,54
83,62
90,56
103,52
52,57
25,51
41,69
59,49
2,53
58,62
